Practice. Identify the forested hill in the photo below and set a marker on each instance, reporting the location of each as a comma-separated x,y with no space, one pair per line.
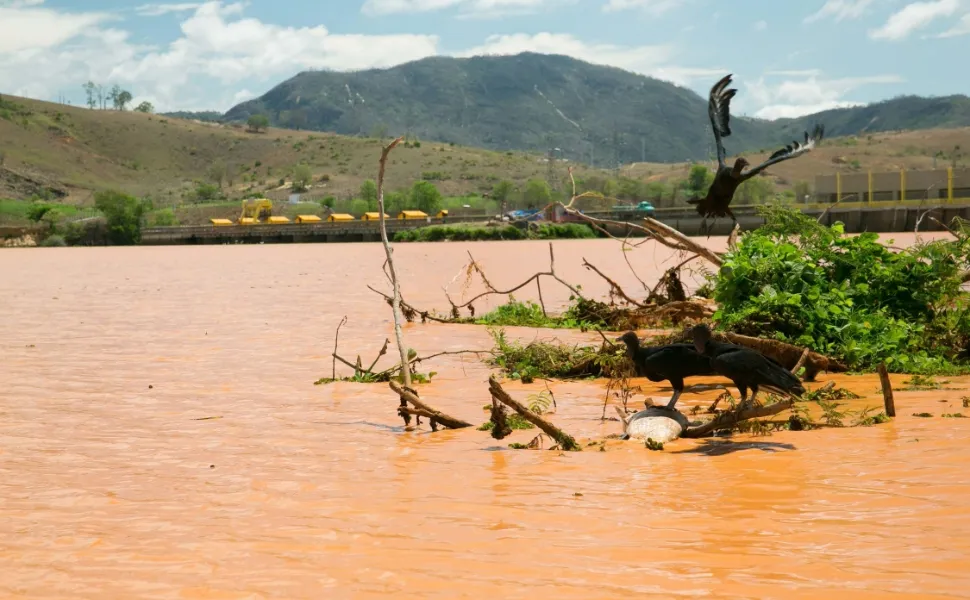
537,102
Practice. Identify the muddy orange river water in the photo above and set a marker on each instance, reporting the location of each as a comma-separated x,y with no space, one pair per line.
161,437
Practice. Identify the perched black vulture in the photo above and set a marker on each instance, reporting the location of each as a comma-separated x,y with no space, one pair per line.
672,363
747,368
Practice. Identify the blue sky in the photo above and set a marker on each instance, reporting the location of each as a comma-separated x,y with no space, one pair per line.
789,58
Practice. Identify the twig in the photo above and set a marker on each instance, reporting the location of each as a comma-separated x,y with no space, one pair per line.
614,285
409,395
346,362
654,292
733,237
418,359
542,302
407,307
919,218
396,300
335,338
626,258
833,205
492,290
664,234
379,355
887,391
655,229
564,440
801,361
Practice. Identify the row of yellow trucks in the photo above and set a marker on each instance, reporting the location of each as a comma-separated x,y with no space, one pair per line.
260,211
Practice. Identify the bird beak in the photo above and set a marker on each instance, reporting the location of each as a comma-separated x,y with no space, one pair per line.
619,339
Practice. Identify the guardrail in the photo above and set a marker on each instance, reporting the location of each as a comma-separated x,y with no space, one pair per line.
676,216
855,204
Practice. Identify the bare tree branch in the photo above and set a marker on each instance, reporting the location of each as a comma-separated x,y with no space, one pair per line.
613,285
396,300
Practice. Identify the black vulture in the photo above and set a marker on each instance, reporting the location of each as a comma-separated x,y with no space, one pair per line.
747,368
728,178
672,363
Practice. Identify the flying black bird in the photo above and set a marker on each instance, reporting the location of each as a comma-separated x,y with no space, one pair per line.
728,178
745,367
672,363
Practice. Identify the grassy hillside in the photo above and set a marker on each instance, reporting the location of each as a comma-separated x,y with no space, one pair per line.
67,153
535,102
911,150
75,151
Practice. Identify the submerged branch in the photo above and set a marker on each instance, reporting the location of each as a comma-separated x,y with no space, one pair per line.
435,416
565,441
730,419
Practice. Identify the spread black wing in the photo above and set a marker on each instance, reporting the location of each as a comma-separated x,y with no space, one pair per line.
719,109
790,151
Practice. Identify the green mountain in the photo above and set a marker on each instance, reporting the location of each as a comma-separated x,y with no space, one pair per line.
535,102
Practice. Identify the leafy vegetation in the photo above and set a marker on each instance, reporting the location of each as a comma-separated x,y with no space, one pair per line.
515,313
124,216
852,298
537,359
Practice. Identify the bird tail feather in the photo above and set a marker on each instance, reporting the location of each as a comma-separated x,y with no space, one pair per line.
794,390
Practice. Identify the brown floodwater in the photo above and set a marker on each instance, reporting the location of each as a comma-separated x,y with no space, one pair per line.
161,437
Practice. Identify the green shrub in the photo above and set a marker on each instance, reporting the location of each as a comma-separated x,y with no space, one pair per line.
123,214
164,218
848,297
53,241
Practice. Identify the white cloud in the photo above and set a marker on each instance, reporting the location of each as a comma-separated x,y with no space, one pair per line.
912,17
840,10
646,60
155,10
795,73
21,24
469,8
652,7
216,43
808,94
962,27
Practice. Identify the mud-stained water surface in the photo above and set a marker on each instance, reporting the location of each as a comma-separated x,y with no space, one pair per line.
161,437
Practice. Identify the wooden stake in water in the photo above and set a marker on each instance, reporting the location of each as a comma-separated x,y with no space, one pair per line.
887,391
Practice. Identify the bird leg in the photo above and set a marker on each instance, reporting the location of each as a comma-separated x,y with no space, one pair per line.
746,402
674,398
